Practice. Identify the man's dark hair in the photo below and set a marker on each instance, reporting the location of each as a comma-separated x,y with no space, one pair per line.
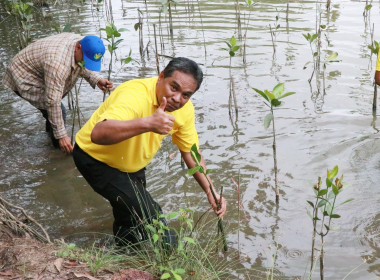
184,65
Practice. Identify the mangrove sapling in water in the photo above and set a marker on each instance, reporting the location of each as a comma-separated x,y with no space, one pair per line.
273,33
323,212
22,11
192,255
273,98
167,8
233,47
249,5
199,168
374,50
112,33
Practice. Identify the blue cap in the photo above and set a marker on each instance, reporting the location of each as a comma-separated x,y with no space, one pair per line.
93,50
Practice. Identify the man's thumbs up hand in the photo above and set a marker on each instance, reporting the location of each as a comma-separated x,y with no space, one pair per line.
162,122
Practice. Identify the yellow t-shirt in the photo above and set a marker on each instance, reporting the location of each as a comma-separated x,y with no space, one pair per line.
378,62
131,100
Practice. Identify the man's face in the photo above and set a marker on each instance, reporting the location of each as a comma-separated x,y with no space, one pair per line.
177,89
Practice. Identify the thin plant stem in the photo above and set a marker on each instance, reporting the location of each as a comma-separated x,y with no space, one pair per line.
155,44
374,103
220,224
275,159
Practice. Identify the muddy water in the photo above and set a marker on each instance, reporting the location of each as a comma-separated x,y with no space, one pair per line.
315,131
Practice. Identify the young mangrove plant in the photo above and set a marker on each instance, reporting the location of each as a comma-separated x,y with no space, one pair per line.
273,33
22,11
112,34
233,47
323,212
199,168
191,255
167,8
273,100
249,5
374,50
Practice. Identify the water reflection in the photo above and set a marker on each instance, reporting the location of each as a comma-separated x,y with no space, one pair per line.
320,126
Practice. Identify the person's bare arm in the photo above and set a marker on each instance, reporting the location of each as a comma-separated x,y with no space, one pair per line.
377,78
110,132
203,182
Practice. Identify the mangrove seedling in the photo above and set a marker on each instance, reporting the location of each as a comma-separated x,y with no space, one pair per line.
233,47
324,211
112,34
167,8
199,168
22,12
249,5
273,33
374,50
273,100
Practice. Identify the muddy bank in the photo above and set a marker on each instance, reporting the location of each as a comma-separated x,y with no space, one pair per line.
24,257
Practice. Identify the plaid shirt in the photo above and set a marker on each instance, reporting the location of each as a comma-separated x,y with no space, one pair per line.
44,72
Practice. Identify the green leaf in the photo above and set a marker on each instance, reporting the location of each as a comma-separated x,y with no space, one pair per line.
328,182
208,171
235,48
275,102
231,53
176,276
166,275
267,120
334,216
155,238
172,215
348,200
321,203
127,60
189,239
180,271
332,56
151,228
335,189
269,94
368,7
322,192
195,154
193,170
327,227
233,41
286,94
262,94
67,28
332,173
278,89
323,26
311,203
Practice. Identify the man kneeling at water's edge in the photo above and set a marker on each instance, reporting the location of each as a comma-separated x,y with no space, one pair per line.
125,132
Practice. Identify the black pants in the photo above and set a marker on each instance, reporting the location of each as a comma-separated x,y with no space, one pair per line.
132,205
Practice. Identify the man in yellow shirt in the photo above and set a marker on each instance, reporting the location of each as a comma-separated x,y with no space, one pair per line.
377,74
123,135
